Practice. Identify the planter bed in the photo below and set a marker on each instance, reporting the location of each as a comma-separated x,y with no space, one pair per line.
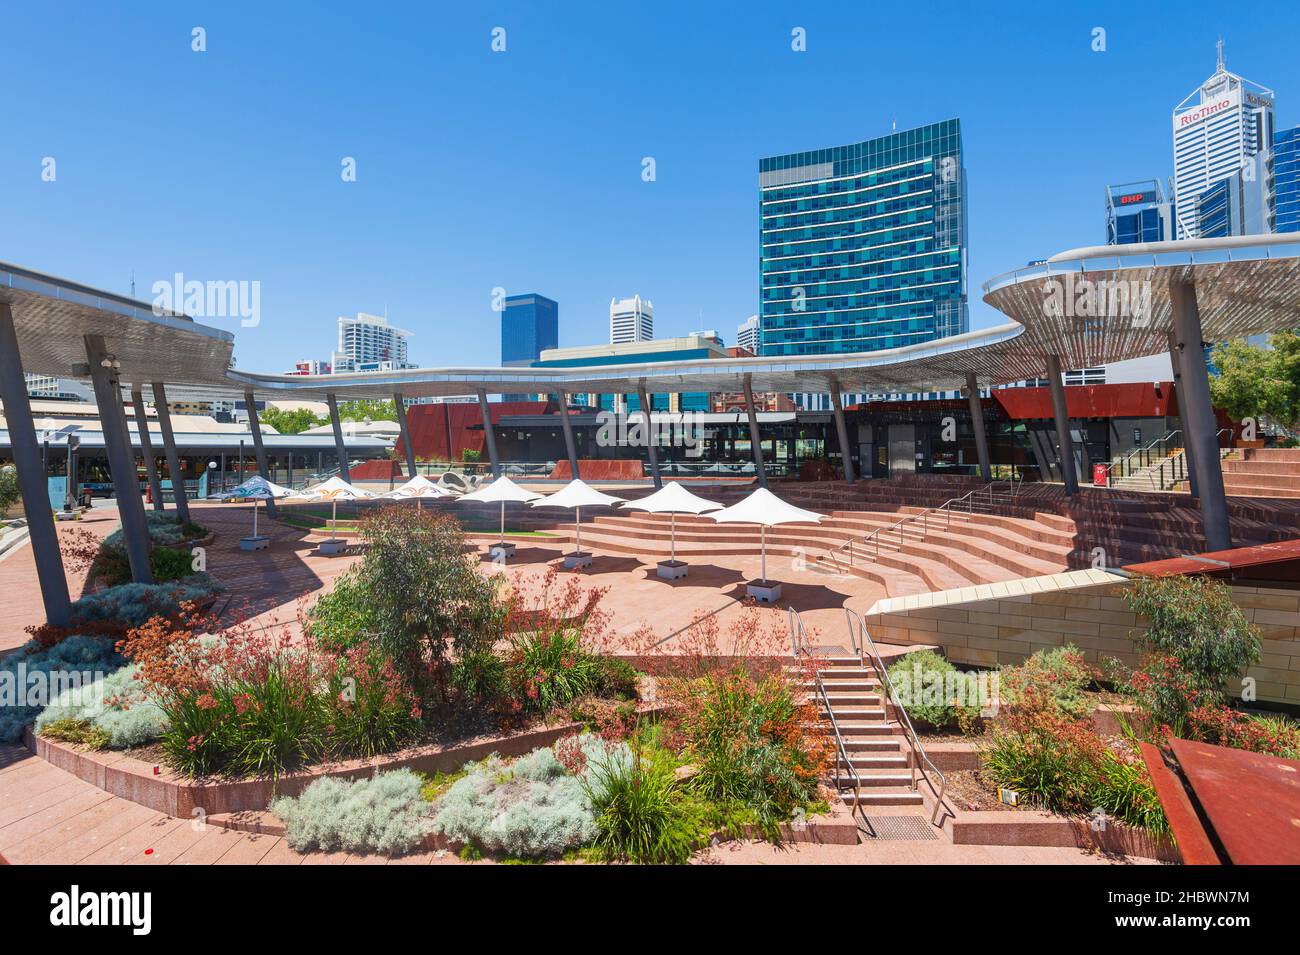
177,795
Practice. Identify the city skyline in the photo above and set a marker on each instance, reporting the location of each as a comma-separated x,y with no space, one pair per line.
693,245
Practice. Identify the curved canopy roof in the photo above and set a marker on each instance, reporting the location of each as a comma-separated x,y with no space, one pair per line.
1089,306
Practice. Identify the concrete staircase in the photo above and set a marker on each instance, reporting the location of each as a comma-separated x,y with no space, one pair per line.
874,748
1263,472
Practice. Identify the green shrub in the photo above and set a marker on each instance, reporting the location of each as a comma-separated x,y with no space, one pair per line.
422,595
1059,763
131,605
165,530
79,732
77,660
9,493
931,689
550,670
340,618
1194,621
116,708
1061,673
374,709
642,813
532,808
385,813
749,743
616,679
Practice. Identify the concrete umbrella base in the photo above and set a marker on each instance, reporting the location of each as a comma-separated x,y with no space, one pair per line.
256,542
502,550
764,590
672,569
332,547
577,559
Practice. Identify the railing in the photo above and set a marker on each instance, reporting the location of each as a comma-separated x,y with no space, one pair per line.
864,647
1164,474
799,647
980,496
1142,455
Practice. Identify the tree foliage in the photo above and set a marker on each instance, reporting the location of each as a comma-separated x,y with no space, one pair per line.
367,408
1253,381
294,421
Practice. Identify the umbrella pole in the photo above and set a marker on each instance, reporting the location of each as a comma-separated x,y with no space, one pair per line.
254,517
673,519
334,519
503,521
764,564
577,529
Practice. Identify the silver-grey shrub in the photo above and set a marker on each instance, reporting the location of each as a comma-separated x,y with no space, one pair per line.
115,704
531,808
385,813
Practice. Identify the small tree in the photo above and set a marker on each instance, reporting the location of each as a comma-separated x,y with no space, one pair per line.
1253,381
290,421
426,602
8,487
1196,641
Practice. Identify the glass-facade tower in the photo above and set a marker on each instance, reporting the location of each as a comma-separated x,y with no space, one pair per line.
530,324
1286,179
863,247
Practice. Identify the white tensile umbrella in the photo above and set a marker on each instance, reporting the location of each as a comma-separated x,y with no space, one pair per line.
500,491
418,487
257,489
577,495
767,510
672,499
334,490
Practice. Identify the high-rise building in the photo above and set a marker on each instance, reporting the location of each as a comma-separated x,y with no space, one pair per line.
1137,212
369,343
530,324
863,247
50,388
1223,139
749,334
631,320
1286,180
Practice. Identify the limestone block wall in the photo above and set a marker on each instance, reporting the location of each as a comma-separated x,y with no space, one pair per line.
1003,623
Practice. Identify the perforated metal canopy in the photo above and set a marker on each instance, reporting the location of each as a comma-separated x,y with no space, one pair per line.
1088,306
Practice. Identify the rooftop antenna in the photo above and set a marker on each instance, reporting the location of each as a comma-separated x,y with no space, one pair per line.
133,283
894,125
1219,46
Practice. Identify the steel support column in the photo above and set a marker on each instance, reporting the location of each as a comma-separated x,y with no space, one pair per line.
1199,425
259,449
146,449
121,459
842,430
32,480
1065,454
169,448
977,425
488,434
399,405
755,444
652,441
570,446
1176,361
340,448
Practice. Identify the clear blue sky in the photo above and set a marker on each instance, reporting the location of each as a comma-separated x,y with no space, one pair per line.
522,169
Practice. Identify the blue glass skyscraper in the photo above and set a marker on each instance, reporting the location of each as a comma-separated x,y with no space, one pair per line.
863,247
1286,179
1137,212
529,324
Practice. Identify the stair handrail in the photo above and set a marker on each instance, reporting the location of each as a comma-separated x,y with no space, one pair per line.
923,516
799,643
1123,462
1159,467
868,649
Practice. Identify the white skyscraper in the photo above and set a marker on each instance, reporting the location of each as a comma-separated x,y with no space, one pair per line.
631,320
749,334
369,343
1223,135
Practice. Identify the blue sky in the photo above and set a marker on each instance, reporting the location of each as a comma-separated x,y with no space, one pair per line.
522,170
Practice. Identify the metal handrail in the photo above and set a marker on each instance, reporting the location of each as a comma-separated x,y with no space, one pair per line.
905,721
923,516
799,644
1123,463
1159,468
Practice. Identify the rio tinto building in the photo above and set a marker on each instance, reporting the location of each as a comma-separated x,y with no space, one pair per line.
1223,133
